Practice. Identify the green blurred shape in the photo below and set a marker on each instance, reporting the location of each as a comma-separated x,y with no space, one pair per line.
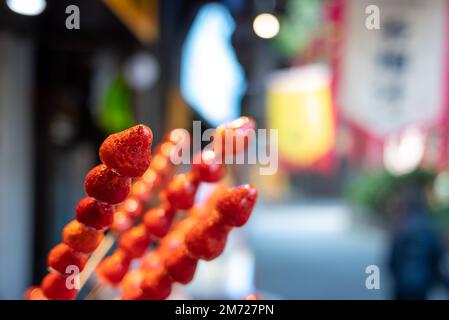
299,26
375,190
116,112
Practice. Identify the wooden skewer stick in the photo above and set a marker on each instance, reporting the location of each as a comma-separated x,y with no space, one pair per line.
96,257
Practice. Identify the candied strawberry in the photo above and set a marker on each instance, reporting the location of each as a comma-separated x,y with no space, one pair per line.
95,214
128,152
161,165
156,284
158,220
151,179
55,287
34,293
208,167
253,296
236,204
135,241
130,285
81,238
140,190
62,256
180,265
233,137
113,268
132,207
152,260
206,239
107,186
181,191
121,222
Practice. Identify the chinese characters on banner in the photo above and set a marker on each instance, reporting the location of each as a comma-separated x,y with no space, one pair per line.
393,78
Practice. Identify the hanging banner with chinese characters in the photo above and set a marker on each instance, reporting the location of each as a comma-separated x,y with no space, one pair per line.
393,75
299,106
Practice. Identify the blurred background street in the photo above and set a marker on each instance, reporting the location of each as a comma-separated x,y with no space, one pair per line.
356,92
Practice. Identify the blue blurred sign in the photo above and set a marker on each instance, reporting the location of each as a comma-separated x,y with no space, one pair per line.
212,80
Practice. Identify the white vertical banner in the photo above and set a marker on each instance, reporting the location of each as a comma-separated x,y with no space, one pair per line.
393,76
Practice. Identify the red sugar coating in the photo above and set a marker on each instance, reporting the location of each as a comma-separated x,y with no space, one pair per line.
253,296
54,287
179,264
207,239
128,152
158,220
208,167
80,237
152,260
130,285
94,214
132,207
62,256
107,186
236,204
135,241
233,137
181,191
121,222
156,284
113,268
34,293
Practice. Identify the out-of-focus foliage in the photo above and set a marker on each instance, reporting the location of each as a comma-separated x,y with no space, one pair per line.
375,190
299,26
116,112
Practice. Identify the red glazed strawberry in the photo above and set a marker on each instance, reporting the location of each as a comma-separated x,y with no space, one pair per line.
253,296
156,284
132,208
152,260
236,204
128,152
161,165
151,179
135,241
62,256
208,167
121,222
34,293
140,190
80,237
94,214
181,191
233,137
166,148
158,220
206,240
107,186
130,286
113,268
55,286
180,265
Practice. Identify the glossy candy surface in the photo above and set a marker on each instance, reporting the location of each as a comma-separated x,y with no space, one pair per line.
81,238
62,256
135,241
128,152
236,204
94,214
107,186
181,191
55,287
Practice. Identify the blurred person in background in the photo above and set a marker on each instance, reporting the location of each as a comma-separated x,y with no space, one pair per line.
416,248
